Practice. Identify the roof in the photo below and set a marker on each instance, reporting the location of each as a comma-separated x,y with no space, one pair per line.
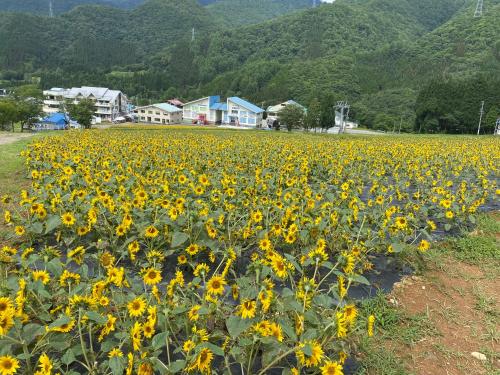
100,93
279,107
247,105
176,102
163,106
211,100
219,106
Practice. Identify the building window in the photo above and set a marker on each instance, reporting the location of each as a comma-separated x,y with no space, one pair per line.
157,113
234,111
157,120
143,111
150,112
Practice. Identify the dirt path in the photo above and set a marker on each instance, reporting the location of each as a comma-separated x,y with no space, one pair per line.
461,303
6,138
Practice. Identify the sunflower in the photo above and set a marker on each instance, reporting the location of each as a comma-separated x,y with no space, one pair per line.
203,361
136,307
424,245
8,365
121,230
151,232
331,368
136,336
133,249
341,324
279,266
215,285
247,309
45,364
182,259
350,314
6,321
43,276
201,269
371,323
68,219
151,276
5,304
20,230
188,346
449,214
265,244
192,249
115,352
193,314
315,350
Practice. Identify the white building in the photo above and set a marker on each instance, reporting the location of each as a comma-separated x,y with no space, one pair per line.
109,103
234,111
273,112
161,113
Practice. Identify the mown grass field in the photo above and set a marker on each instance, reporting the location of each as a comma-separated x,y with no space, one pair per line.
183,250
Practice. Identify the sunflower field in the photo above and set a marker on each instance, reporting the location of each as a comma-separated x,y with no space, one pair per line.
200,251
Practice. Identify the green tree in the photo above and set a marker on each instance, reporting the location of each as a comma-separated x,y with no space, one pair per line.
385,122
8,115
312,118
28,111
82,112
292,116
491,119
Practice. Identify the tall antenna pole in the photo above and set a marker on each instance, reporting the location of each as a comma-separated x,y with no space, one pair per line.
193,35
481,113
343,107
479,9
51,9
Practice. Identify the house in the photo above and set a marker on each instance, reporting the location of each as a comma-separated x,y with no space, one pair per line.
176,103
3,93
234,111
274,110
109,103
161,113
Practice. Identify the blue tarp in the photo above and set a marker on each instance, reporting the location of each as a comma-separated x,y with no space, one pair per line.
57,120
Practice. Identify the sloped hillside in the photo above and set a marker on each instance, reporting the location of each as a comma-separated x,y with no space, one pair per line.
245,12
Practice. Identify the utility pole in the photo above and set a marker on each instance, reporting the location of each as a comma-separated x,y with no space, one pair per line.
193,35
481,113
479,9
343,107
51,9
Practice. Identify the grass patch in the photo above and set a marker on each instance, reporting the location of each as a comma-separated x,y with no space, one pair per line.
475,249
12,176
378,360
394,325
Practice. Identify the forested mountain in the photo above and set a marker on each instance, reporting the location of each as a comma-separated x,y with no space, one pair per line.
244,12
386,57
41,7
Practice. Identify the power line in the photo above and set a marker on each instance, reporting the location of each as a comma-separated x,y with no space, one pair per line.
479,9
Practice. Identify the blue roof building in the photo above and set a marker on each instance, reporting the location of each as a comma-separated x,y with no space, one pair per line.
234,111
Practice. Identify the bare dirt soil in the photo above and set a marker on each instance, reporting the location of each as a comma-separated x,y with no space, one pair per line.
6,138
461,302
